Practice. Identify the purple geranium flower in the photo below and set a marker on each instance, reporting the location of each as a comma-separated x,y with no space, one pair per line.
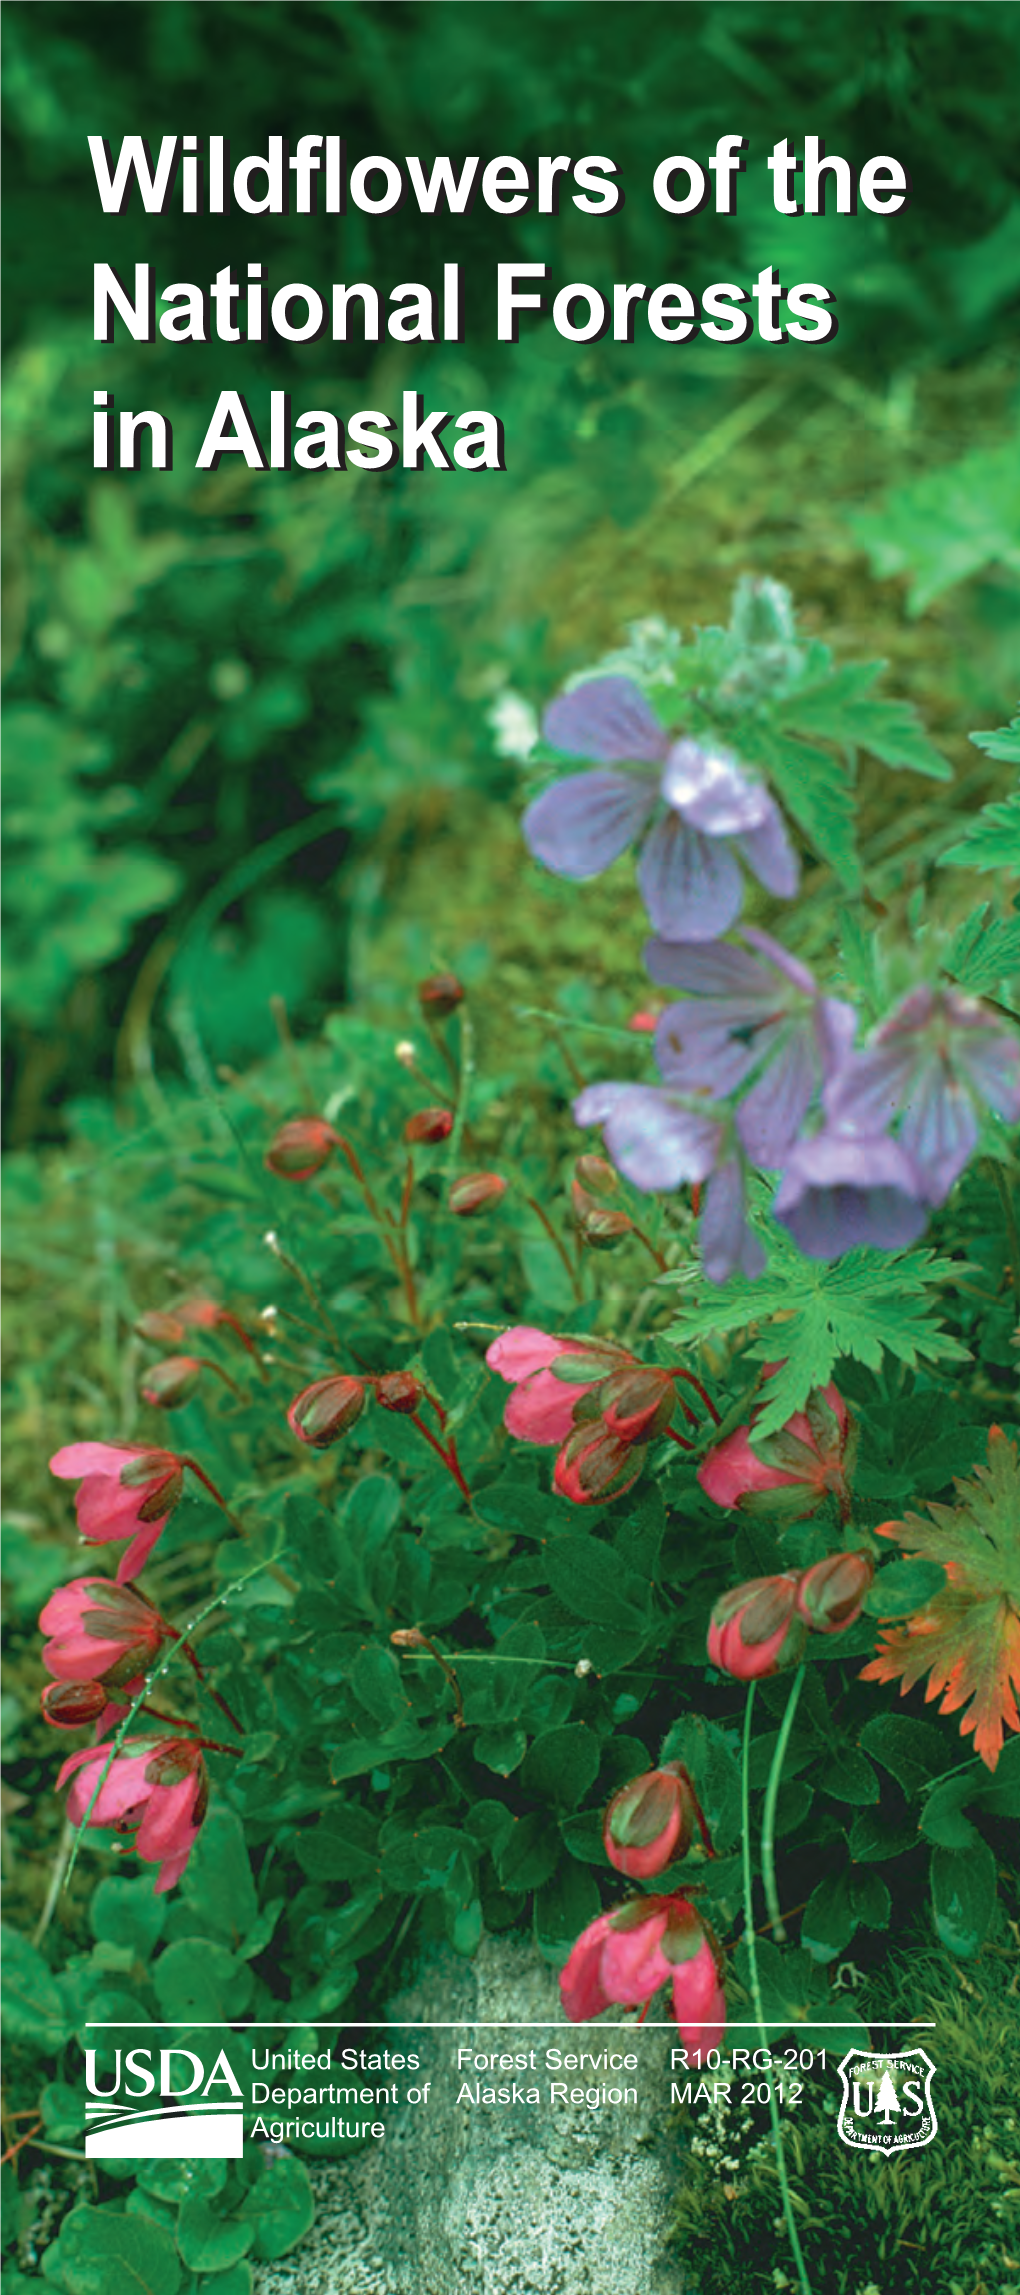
689,873
840,1189
744,1014
937,1062
659,1144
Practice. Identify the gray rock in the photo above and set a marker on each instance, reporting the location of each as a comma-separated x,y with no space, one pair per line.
515,2199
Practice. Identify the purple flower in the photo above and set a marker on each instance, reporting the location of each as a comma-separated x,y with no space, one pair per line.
938,1060
689,874
840,1190
658,1144
745,1014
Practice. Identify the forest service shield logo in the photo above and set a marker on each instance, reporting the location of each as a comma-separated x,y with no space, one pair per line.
887,2104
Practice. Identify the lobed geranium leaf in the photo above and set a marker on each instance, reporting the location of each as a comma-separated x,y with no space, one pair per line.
966,1638
864,1304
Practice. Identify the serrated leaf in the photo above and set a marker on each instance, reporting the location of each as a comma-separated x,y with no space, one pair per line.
1003,744
947,525
843,708
966,1638
993,838
816,790
864,1305
984,951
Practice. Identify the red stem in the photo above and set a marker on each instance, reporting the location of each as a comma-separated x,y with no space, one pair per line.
706,1398
199,1669
449,1457
672,1436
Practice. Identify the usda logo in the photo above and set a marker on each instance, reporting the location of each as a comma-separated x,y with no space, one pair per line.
163,2104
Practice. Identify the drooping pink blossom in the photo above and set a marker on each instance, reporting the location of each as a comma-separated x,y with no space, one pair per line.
541,1408
100,1631
126,1491
623,1959
756,1629
156,1789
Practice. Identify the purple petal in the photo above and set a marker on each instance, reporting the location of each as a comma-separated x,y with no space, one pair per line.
725,1240
868,1088
709,789
596,1103
655,1143
779,956
579,826
770,855
695,1053
608,719
770,1117
939,1130
839,1191
835,1029
690,885
992,1061
708,968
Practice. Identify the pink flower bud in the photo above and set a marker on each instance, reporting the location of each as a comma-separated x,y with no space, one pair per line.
440,995
399,1391
171,1382
70,1704
650,1822
789,1472
755,1629
321,1413
162,1330
300,1148
636,1403
595,1176
594,1464
600,1225
428,1127
830,1595
474,1192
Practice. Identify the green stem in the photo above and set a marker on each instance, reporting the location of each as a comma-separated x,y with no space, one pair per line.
759,2010
1001,1183
768,1823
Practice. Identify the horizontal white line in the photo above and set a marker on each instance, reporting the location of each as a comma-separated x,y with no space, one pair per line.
480,2024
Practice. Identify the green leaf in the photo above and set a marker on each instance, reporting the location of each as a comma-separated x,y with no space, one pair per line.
993,839
942,1818
594,1583
209,2241
912,1751
1003,744
829,1918
198,1981
377,1683
843,708
984,951
903,1586
32,2007
875,1836
963,1897
947,525
281,2208
501,1750
101,2252
128,1913
528,1854
564,1905
816,790
850,1777
865,1305
218,1884
870,1898
563,1764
